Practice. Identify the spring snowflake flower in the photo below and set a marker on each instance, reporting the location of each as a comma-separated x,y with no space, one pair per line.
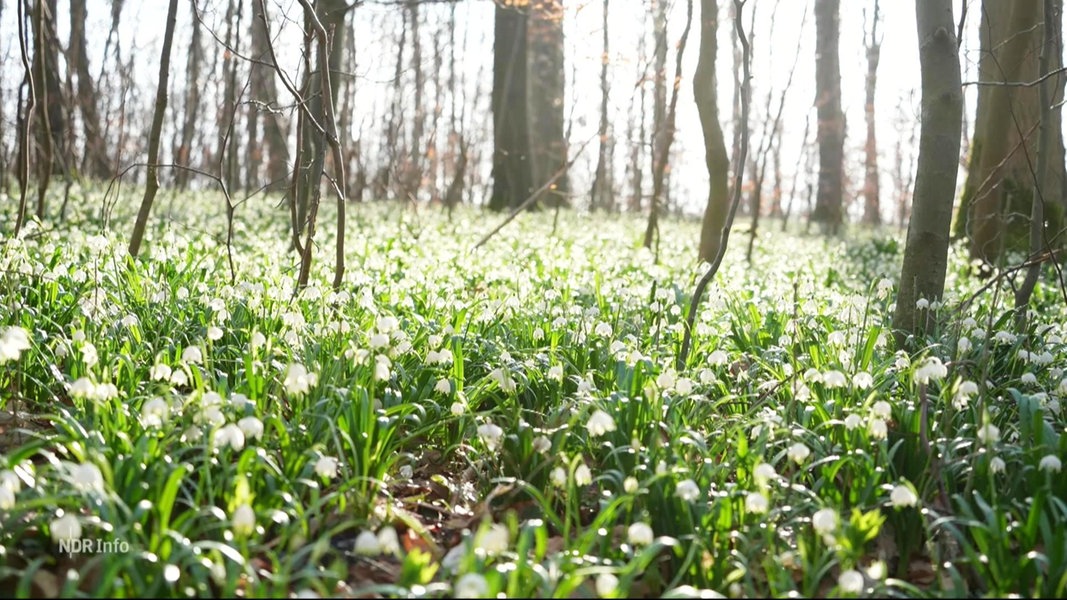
298,381
12,343
7,498
932,369
87,476
160,372
606,584
214,333
471,585
640,534
881,410
555,372
9,480
825,521
834,379
1050,464
996,465
687,490
66,528
862,380
379,340
389,541
251,427
367,544
684,386
963,345
502,379
764,472
1028,379
458,408
988,434
666,380
494,540
82,387
630,485
600,423
902,496
603,329
558,477
1004,337
258,339
490,434
798,453
922,304
853,421
192,355
179,377
243,520
718,357
443,386
878,429
850,581
542,444
326,467
230,435
582,475
963,394
756,502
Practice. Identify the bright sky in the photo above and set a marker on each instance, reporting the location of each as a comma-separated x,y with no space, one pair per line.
793,36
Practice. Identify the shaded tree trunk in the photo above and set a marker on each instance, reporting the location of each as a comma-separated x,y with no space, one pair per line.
715,157
545,101
600,194
95,161
512,176
264,106
831,132
51,123
926,252
872,207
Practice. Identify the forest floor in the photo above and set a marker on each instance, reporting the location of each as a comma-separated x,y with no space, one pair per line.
509,421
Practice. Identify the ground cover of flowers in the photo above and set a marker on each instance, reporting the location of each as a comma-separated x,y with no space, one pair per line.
509,421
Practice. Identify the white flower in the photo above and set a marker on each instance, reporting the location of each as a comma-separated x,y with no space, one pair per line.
458,408
606,584
555,372
717,357
558,477
379,340
850,581
996,465
387,324
490,434
367,544
825,521
66,528
687,490
640,534
298,381
214,333
853,421
666,379
542,444
159,372
582,475
603,329
389,541
902,496
154,412
932,369
963,345
443,386
881,410
764,472
862,380
600,423
192,355
82,387
471,585
834,379
12,343
1028,379
798,453
684,386
878,429
230,435
258,339
1050,463
756,502
630,485
326,467
988,434
11,481
243,520
251,427
1004,337
7,498
87,476
495,539
922,304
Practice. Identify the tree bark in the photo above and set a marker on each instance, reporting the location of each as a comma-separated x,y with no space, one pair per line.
512,175
265,104
600,194
872,207
152,184
95,162
545,101
829,202
715,157
926,251
52,122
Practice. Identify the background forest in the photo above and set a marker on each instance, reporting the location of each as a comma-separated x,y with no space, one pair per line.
550,298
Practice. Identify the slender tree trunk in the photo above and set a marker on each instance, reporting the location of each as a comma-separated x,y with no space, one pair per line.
659,152
545,99
829,200
152,184
95,162
184,152
26,118
872,208
600,194
715,158
926,252
52,122
413,174
512,176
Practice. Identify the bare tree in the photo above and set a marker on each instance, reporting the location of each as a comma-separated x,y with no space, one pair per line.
872,208
926,251
95,160
512,178
152,184
705,89
51,125
829,201
600,194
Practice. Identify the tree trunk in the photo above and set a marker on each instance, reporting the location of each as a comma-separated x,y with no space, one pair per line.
1000,184
658,152
715,157
872,208
153,137
545,101
183,153
95,162
52,122
512,175
828,203
926,252
600,194
264,96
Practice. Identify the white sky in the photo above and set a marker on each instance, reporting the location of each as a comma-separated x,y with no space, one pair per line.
376,26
